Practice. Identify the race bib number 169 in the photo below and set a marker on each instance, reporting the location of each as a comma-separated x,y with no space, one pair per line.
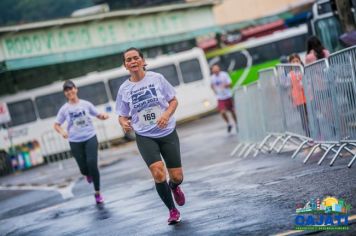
149,116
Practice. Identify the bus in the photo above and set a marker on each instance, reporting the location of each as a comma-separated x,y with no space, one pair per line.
33,112
332,20
326,25
243,60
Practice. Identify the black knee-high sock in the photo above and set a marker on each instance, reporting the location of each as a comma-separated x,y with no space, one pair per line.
165,194
174,185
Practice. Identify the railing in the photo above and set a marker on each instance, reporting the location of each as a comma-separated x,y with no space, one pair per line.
293,108
56,148
252,132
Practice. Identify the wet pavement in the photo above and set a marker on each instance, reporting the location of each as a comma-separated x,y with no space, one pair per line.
224,195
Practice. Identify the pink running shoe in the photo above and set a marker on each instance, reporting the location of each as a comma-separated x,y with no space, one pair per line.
174,216
89,179
178,196
98,198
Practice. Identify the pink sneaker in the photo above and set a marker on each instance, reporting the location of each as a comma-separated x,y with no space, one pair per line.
99,198
178,196
89,179
174,216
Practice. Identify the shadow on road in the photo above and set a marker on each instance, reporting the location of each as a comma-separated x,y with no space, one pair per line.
102,213
183,226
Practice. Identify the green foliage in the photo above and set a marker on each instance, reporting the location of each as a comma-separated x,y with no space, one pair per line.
14,12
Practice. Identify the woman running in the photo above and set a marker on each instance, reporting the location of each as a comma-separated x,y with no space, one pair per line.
81,134
145,103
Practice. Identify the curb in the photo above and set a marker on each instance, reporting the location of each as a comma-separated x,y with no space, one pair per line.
67,181
62,184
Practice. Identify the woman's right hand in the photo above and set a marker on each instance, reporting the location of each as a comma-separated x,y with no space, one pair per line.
58,129
126,125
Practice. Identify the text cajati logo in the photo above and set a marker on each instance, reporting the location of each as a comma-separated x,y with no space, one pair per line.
329,213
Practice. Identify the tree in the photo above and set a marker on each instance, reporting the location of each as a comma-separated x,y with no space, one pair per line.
24,11
345,15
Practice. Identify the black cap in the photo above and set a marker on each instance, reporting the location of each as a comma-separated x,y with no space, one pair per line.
68,84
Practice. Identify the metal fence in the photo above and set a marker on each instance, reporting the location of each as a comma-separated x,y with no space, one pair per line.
274,122
51,148
57,148
322,111
342,70
293,99
314,108
284,103
250,126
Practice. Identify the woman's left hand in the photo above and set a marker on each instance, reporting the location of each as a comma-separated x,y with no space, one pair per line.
162,121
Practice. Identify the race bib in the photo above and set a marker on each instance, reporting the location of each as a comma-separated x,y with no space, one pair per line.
149,116
81,122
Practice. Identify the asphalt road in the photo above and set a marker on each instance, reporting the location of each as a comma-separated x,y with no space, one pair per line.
224,195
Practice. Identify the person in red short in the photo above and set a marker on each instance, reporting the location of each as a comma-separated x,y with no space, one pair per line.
220,83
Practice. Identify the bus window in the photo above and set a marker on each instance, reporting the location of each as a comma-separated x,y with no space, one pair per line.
191,70
264,53
329,29
292,45
95,93
114,85
49,105
170,73
233,61
324,7
21,112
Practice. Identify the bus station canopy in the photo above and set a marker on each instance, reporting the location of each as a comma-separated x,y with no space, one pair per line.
73,39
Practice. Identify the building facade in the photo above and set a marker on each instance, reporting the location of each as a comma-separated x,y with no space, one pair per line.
37,54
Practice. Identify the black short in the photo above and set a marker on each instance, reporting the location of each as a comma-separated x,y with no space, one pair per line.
152,148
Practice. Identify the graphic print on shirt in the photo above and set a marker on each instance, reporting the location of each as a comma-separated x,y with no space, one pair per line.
220,87
145,101
79,119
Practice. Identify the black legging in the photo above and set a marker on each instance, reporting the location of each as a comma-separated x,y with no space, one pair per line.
86,155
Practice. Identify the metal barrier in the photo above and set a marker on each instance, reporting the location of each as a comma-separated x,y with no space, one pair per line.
251,128
342,70
322,110
293,99
271,108
55,148
102,136
274,118
313,108
240,99
256,123
293,103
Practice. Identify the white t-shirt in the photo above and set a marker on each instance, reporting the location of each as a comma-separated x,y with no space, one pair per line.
144,102
219,83
79,124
